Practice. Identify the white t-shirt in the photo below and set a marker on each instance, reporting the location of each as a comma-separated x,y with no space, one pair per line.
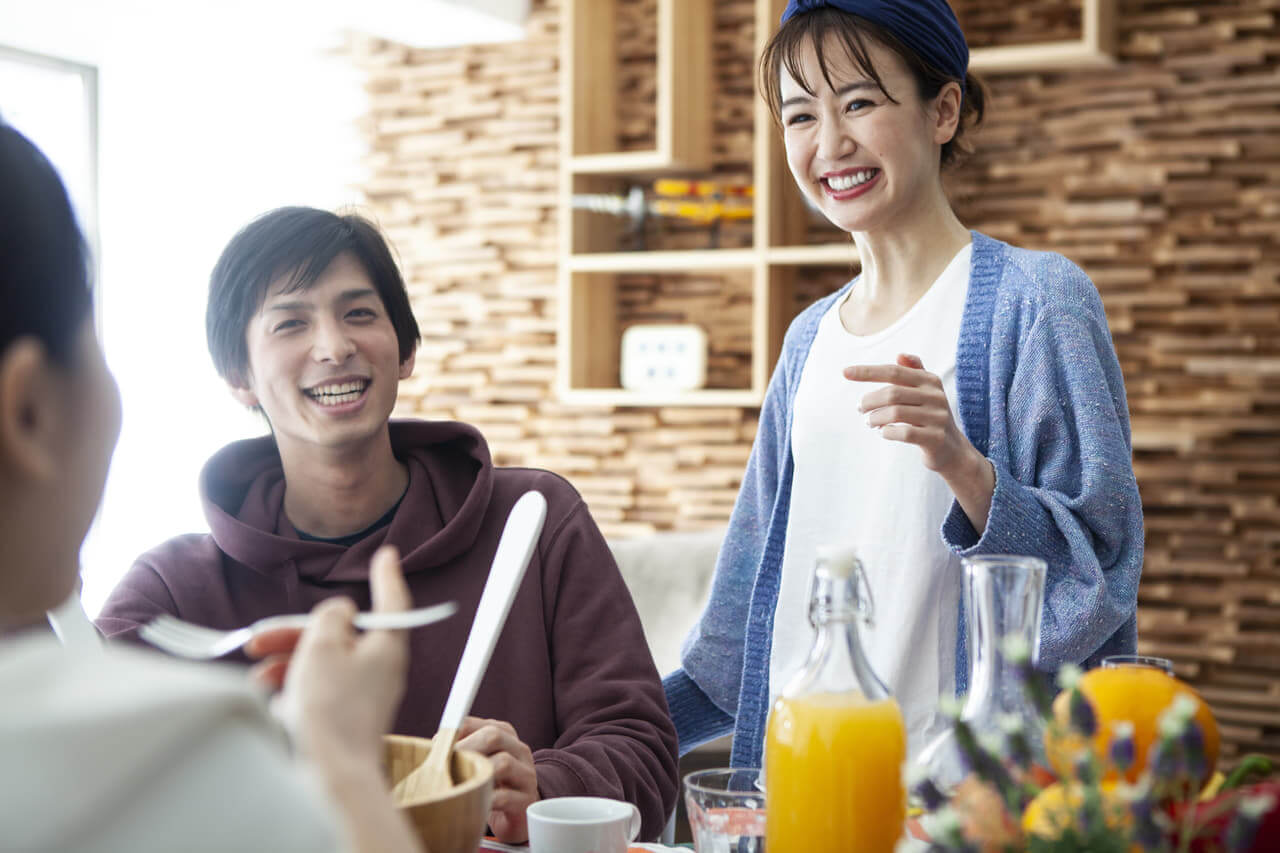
851,486
125,750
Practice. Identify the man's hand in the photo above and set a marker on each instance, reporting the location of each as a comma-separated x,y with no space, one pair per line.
515,782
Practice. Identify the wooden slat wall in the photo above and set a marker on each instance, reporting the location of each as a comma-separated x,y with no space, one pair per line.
1160,177
684,298
998,23
732,97
464,161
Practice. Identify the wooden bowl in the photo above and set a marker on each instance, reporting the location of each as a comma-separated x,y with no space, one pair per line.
452,822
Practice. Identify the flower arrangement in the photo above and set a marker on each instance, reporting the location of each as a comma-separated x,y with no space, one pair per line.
1118,788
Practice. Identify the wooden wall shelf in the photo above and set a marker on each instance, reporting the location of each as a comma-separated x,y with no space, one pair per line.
588,329
1095,48
621,397
626,163
703,259
683,131
834,254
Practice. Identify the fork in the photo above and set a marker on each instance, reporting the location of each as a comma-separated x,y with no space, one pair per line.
197,642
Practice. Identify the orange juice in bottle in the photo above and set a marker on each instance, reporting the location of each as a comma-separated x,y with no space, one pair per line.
836,743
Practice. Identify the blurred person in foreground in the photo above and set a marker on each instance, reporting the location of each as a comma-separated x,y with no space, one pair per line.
123,749
309,323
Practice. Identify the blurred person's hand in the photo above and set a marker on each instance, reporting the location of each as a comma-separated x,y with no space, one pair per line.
515,781
342,688
341,692
272,650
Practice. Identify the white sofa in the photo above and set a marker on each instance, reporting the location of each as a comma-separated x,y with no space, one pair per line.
669,575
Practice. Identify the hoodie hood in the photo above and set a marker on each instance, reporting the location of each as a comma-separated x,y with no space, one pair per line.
242,488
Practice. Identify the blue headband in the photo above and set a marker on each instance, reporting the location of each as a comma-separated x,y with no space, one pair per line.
928,27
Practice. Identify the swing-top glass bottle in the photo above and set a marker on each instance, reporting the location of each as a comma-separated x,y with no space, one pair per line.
836,742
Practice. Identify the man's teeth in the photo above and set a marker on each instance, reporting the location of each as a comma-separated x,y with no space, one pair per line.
337,394
839,183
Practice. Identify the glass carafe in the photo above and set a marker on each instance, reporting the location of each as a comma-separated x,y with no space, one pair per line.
1003,596
836,741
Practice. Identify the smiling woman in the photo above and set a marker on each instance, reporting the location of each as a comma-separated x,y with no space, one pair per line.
907,414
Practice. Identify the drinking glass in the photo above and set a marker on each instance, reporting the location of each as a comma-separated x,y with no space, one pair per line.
1116,661
726,811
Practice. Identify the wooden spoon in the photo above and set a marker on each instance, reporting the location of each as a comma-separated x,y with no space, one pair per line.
515,547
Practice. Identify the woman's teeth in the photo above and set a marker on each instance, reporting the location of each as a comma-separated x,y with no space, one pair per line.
840,183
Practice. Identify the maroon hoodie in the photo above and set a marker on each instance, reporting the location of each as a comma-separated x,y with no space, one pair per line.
571,671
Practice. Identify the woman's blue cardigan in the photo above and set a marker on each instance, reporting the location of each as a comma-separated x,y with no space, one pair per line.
1040,393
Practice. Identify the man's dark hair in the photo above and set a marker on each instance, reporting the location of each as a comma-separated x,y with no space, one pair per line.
45,280
300,242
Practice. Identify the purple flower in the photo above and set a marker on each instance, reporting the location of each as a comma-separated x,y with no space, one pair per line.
1148,835
977,759
1163,759
1019,749
930,797
1083,719
1148,832
1121,750
1141,807
967,747
1193,749
1036,686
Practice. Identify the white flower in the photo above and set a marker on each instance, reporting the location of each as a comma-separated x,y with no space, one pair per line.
1173,720
1254,807
950,707
1184,706
947,822
1132,793
991,742
1011,724
916,773
1016,649
1172,725
1069,676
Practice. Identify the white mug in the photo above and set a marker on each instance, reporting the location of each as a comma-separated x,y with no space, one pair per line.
582,825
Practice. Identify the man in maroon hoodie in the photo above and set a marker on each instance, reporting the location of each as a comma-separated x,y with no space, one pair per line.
309,322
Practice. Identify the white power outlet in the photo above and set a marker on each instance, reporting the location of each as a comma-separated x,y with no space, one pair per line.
660,357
